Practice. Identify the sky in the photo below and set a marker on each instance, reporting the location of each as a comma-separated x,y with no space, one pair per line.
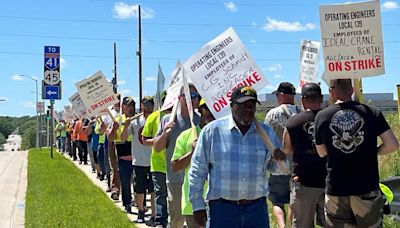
172,30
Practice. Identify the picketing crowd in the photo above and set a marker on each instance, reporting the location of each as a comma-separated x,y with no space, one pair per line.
313,165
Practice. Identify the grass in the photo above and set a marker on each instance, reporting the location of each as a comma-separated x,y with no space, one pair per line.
60,195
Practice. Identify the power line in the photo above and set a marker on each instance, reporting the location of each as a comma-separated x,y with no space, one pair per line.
154,41
131,22
154,58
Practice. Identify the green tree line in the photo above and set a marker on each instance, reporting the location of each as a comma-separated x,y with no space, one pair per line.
24,126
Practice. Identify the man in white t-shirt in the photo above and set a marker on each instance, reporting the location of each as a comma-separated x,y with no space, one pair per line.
276,118
141,161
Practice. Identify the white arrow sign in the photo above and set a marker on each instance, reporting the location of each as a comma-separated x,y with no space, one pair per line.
50,92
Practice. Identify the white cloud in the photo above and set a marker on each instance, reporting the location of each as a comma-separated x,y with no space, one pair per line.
150,79
29,104
253,41
284,26
63,63
121,82
125,11
230,6
17,78
274,67
3,99
278,76
125,92
253,24
390,5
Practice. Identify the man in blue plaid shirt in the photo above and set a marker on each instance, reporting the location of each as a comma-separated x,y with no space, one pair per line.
234,158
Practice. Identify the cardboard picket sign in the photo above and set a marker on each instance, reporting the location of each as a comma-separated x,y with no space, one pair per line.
78,107
174,88
219,67
351,37
96,93
69,116
309,61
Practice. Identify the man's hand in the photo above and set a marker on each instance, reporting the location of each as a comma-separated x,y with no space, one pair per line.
194,143
168,127
127,122
200,217
115,125
279,155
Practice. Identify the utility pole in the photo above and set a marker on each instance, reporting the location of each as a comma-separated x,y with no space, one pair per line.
115,69
139,53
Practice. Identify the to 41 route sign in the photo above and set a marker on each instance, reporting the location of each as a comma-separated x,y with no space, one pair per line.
51,85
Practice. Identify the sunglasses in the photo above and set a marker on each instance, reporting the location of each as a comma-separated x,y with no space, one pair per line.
192,95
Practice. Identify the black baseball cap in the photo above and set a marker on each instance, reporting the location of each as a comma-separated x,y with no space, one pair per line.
285,88
244,93
147,101
311,90
128,101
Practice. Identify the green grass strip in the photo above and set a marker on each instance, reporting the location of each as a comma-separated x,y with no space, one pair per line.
60,195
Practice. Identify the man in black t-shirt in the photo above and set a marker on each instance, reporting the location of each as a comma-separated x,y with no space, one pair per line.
309,170
346,132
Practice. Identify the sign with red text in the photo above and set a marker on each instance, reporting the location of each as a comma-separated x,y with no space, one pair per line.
351,37
96,93
309,60
219,67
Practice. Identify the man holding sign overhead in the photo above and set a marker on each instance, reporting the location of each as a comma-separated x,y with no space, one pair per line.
235,159
168,132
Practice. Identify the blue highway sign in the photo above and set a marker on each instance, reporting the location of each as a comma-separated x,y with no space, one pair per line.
52,92
52,57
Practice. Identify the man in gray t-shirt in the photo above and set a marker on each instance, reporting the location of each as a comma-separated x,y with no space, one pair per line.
166,137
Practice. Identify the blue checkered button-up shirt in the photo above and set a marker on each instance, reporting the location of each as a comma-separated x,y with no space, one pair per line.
235,164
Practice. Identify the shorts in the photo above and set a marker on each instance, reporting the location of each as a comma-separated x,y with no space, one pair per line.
357,210
279,189
143,180
307,204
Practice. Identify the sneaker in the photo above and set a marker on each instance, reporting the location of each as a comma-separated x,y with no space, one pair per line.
151,222
115,196
80,162
101,177
108,189
128,209
140,218
85,163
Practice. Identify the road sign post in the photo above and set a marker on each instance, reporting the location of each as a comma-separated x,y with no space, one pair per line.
51,84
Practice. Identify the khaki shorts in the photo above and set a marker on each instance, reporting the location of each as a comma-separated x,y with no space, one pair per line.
354,211
307,205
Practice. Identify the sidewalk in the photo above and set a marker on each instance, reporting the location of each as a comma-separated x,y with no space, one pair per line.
13,184
87,170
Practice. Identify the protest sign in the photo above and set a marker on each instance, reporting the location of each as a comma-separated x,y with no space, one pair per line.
309,60
69,116
160,86
174,88
77,106
351,36
219,67
96,93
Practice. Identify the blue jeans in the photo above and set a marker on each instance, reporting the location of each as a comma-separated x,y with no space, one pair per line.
62,143
125,174
253,215
160,189
101,158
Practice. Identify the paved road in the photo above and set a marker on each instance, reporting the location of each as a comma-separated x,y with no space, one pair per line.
13,183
